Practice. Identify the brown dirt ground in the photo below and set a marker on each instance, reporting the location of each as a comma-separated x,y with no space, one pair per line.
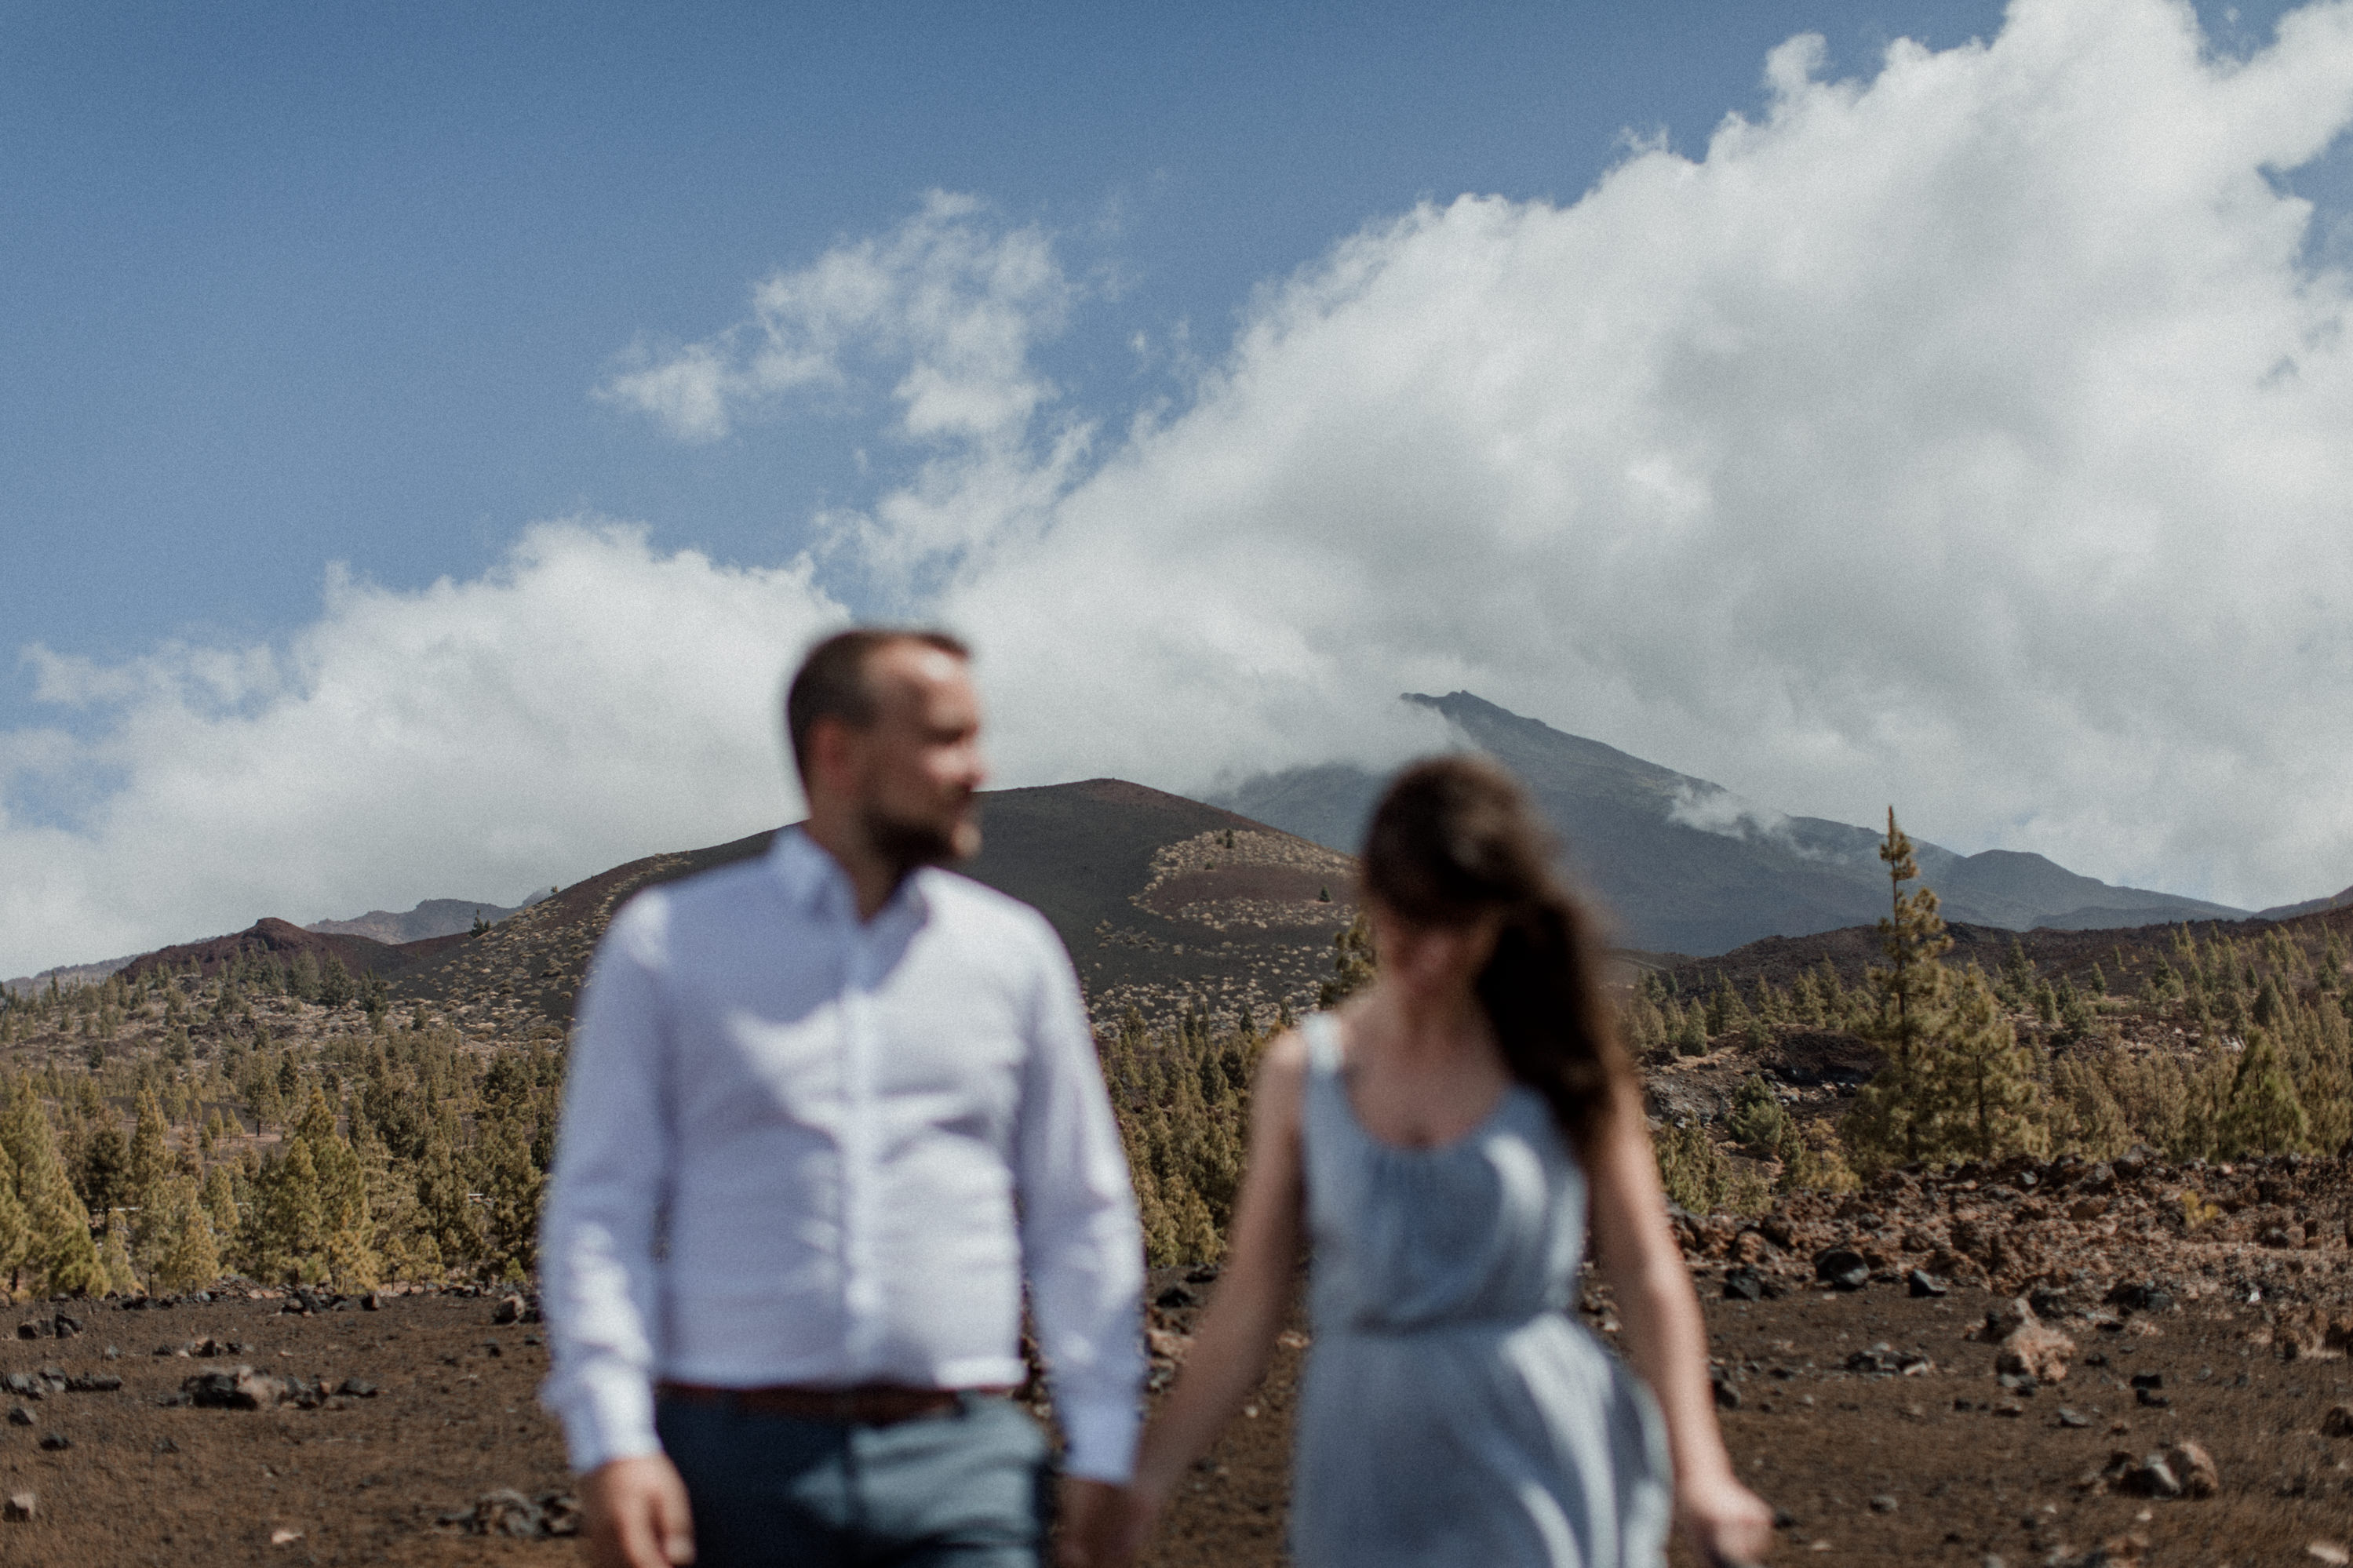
364,1482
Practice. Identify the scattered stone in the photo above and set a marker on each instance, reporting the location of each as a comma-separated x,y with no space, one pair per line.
1923,1283
358,1388
2073,1417
2339,1422
1176,1299
25,1385
243,1389
55,1442
1843,1268
2019,1382
507,1513
372,1302
1743,1285
2048,1303
2010,1407
94,1382
28,1330
2195,1466
2140,1296
2152,1399
282,1536
2034,1349
1882,1503
18,1415
1727,1396
64,1327
2327,1552
22,1508
509,1308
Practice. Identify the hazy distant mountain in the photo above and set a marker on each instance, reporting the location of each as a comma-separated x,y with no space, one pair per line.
1685,866
2309,906
433,917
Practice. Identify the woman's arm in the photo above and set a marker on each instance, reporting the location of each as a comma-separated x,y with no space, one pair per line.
1666,1339
1236,1336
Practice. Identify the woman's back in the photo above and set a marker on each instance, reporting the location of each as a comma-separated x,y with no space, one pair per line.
1453,1413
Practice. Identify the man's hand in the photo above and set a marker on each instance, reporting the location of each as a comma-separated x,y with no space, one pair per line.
1091,1512
636,1514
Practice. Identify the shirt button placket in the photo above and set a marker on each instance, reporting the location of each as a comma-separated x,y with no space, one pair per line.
862,1306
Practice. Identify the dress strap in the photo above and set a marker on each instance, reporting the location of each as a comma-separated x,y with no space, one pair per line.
1322,1032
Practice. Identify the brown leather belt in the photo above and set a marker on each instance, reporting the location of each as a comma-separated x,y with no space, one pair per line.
873,1405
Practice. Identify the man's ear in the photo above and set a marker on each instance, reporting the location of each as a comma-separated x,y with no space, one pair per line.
832,757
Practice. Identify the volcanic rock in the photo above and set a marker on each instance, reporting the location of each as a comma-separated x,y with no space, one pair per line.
243,1389
2194,1465
2035,1350
1842,1267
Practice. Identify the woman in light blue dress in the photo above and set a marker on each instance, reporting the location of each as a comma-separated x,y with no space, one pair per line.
1447,1138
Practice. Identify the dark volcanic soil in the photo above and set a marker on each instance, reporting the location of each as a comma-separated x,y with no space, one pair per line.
362,1480
1868,1466
1922,1469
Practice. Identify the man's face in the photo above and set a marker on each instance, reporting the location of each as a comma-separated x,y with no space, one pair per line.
914,772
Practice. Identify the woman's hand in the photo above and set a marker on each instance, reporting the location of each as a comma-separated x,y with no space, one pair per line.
1724,1522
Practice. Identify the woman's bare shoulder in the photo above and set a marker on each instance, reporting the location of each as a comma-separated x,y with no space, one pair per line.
1284,1058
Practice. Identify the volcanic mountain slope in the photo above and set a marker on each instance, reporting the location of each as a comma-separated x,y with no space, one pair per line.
2123,955
1686,866
1160,900
433,917
275,939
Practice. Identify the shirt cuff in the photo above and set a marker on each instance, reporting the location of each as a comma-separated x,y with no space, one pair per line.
1102,1437
608,1415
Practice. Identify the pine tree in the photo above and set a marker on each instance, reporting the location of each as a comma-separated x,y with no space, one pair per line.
1984,1082
287,1237
1757,1122
116,1273
1692,1170
189,1256
1894,1118
1352,964
511,1185
16,1238
61,1250
146,1170
2261,1113
220,1202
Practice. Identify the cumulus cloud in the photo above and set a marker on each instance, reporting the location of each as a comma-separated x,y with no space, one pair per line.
587,702
1967,435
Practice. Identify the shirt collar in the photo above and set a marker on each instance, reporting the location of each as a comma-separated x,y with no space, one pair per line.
814,881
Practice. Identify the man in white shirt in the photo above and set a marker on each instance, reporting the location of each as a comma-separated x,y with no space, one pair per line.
825,1111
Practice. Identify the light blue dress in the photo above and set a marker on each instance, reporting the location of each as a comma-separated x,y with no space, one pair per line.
1453,1411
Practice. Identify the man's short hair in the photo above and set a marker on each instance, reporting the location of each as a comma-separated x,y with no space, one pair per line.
831,682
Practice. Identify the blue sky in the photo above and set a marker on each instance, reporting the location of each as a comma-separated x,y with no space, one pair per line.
295,286
305,283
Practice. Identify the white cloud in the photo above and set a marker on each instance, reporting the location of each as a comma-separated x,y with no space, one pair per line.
1969,436
587,702
1721,812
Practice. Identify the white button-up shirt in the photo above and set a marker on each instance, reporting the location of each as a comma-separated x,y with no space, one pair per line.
798,1148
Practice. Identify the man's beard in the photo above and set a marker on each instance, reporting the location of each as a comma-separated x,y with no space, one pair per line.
907,844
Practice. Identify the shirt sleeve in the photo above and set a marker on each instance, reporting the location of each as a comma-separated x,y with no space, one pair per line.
603,1194
1080,1241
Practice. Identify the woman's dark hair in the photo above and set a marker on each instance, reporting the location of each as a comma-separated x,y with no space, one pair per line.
1456,838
